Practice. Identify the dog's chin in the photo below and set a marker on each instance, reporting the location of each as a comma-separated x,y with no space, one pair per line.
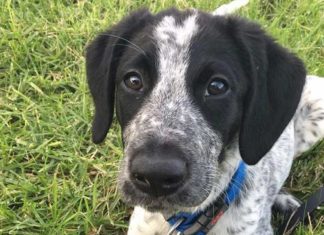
183,200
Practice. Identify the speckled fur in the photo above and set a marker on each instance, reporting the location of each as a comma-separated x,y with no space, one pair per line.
309,123
252,214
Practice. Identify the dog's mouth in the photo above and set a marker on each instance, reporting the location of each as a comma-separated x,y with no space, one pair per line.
191,194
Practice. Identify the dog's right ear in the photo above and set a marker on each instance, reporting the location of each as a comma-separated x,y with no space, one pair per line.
102,57
276,79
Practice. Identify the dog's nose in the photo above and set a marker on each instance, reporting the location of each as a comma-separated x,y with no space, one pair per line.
158,175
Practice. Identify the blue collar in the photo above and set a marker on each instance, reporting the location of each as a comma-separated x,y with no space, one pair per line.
200,223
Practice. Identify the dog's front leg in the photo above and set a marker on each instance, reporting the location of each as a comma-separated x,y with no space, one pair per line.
143,222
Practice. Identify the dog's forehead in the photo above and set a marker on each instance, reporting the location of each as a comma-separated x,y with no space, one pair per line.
173,39
170,30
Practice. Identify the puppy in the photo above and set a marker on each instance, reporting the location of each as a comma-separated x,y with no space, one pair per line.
210,107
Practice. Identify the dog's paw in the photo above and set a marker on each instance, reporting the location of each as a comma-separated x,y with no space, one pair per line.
285,203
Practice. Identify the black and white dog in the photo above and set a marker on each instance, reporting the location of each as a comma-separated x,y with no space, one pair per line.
198,96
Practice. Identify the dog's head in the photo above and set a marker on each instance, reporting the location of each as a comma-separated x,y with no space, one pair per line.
188,86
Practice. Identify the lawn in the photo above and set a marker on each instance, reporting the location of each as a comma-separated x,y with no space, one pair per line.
53,180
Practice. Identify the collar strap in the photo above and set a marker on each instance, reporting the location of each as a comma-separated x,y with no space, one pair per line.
200,223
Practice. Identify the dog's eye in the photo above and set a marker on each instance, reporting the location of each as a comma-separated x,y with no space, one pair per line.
133,81
217,86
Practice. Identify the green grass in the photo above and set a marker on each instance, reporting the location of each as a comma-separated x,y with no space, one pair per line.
53,180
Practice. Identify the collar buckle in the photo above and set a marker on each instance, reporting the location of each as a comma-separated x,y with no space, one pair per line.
175,226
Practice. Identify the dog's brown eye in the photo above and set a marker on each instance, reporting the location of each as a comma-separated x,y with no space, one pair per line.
133,81
217,86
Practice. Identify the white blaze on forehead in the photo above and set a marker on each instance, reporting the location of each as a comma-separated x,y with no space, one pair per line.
182,33
169,98
173,42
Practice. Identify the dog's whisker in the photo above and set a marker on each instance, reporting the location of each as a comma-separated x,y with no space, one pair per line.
126,45
230,164
126,40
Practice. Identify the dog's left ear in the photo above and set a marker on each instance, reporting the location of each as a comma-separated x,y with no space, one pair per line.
276,79
102,58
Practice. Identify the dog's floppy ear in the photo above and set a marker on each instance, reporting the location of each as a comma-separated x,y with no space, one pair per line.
276,80
102,57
